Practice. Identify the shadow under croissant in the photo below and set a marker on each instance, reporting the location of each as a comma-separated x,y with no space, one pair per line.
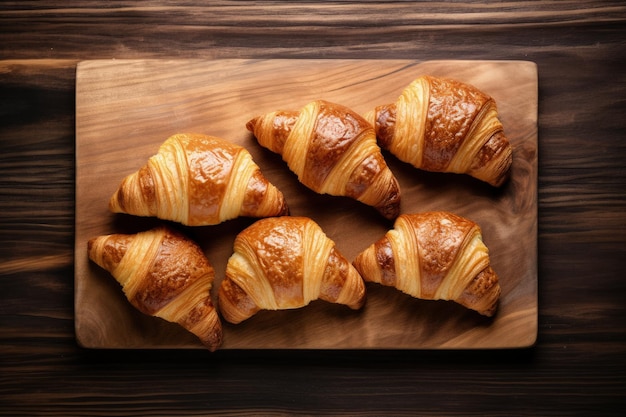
324,325
142,331
412,179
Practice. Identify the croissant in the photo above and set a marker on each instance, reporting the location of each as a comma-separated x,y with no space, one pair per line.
443,125
163,274
285,263
434,256
198,180
333,151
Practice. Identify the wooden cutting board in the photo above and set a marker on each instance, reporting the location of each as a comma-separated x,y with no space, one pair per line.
126,109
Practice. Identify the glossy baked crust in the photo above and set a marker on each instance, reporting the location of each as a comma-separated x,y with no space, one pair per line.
163,274
198,180
285,263
333,151
443,125
434,256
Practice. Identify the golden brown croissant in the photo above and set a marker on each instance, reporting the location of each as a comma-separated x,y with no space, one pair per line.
333,151
434,256
198,180
163,274
285,263
443,125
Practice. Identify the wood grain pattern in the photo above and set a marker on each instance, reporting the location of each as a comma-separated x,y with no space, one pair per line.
126,109
227,29
576,368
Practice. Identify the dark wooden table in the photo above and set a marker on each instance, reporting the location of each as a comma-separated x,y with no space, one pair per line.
578,365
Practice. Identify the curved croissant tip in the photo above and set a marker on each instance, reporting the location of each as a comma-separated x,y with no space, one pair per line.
90,249
251,124
504,177
500,181
214,340
390,211
117,200
491,311
390,208
358,304
284,210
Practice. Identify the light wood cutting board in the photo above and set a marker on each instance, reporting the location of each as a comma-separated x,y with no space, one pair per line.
126,109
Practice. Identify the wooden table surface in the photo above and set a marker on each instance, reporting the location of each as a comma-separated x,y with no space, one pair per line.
576,367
